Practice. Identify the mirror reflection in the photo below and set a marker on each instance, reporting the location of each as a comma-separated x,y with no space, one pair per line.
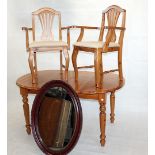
56,118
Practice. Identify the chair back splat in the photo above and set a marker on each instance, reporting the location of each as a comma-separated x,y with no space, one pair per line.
112,14
46,17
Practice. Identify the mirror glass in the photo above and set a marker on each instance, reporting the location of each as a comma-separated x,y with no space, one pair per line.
56,118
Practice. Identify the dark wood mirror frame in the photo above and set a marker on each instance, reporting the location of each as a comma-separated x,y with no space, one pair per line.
78,113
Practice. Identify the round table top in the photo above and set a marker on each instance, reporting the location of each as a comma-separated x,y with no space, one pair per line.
86,81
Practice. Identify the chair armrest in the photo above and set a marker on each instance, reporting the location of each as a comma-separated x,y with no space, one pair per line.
26,29
81,32
76,26
112,27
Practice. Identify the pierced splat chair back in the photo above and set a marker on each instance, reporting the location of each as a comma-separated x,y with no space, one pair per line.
46,18
111,16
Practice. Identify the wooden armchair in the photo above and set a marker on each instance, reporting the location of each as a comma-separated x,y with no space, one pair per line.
112,13
46,42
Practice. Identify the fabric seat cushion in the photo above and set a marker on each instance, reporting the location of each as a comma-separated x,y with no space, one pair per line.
95,44
48,44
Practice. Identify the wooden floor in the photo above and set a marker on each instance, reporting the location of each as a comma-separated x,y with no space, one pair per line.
86,82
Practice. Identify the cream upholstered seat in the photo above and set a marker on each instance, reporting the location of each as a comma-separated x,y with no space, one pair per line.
95,44
48,44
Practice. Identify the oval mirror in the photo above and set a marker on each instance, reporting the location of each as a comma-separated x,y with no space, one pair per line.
56,118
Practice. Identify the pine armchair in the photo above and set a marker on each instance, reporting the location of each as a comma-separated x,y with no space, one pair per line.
46,41
112,43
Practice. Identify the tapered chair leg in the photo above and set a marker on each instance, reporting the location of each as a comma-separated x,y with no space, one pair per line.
112,107
65,51
74,62
98,69
120,65
61,62
31,65
35,67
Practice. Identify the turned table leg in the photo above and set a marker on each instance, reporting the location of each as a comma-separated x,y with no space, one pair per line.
24,94
112,107
102,102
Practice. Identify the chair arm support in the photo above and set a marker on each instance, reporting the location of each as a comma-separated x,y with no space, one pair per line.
68,38
26,29
81,31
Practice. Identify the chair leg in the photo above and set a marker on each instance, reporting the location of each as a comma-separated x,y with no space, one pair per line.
31,65
67,63
35,66
102,102
98,69
112,107
61,61
120,65
74,62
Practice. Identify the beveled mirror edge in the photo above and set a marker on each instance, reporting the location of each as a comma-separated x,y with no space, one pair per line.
78,112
